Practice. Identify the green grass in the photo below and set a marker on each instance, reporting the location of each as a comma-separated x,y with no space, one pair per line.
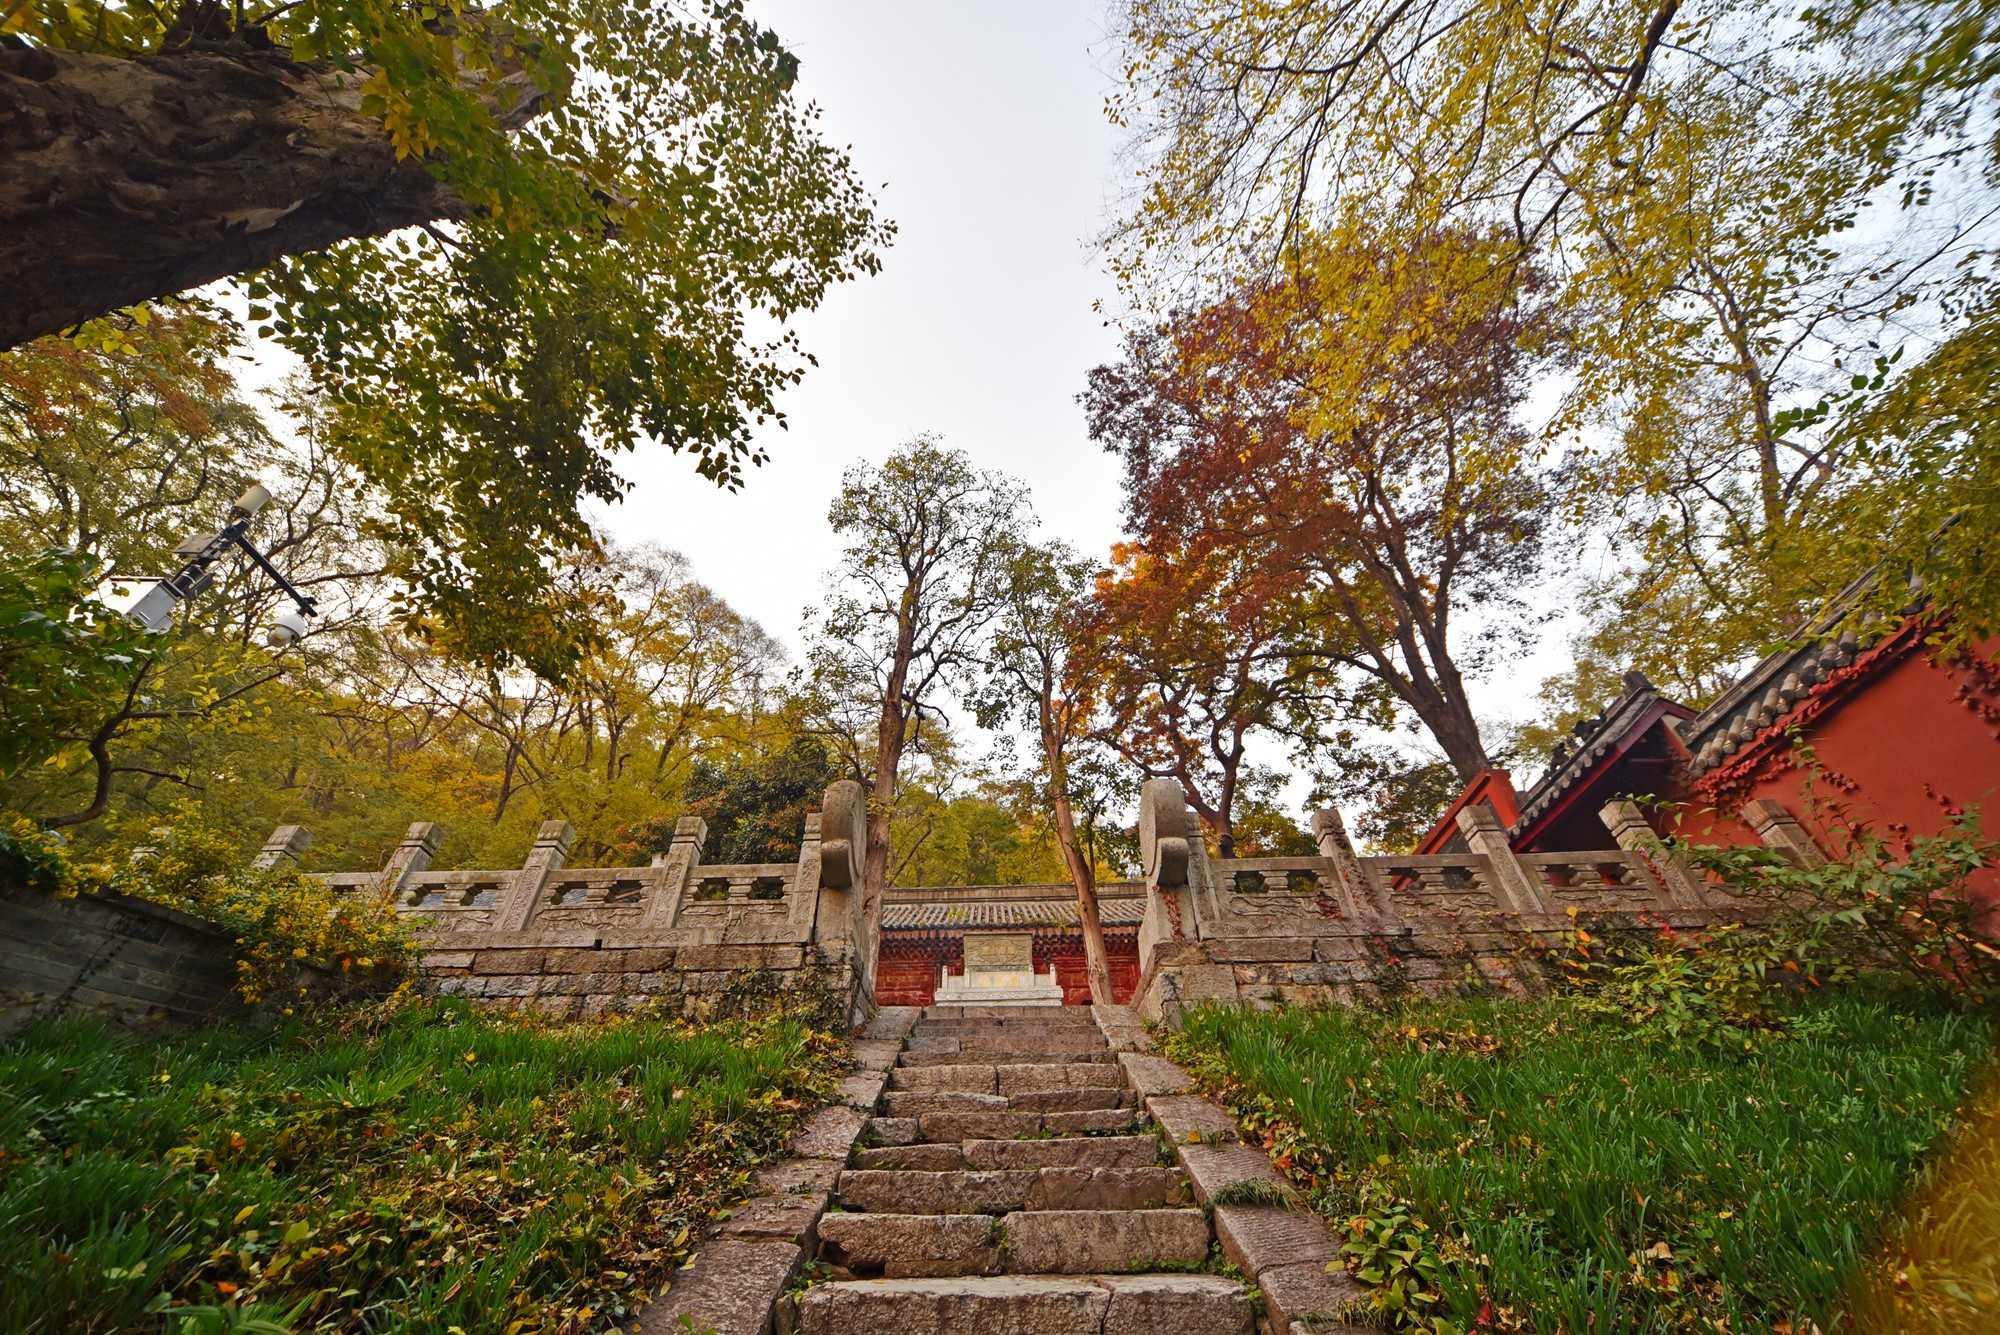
1580,1178
410,1167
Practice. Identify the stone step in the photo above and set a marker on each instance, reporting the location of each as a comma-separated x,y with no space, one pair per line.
1020,1305
1004,1028
1008,1078
1061,1040
955,1056
1072,1152
1083,1242
1074,1015
1010,1125
905,1246
1009,1024
1005,1190
915,1103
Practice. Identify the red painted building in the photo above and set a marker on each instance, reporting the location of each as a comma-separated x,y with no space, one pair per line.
923,936
1888,732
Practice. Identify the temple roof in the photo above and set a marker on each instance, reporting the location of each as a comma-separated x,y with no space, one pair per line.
1008,906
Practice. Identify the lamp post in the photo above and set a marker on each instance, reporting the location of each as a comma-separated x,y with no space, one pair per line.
155,608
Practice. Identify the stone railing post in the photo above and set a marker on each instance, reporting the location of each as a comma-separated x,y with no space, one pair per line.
544,860
1629,828
1350,886
1486,836
286,843
411,858
683,855
1174,860
837,838
1781,830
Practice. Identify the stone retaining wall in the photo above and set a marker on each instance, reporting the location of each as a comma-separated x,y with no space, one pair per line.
137,964
571,981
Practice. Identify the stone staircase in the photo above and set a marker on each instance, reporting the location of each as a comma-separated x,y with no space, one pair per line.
1013,1183
1016,1170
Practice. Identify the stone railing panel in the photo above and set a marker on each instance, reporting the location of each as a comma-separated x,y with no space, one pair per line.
1456,883
1603,881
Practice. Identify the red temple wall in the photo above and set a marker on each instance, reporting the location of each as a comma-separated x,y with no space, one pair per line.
911,963
1915,745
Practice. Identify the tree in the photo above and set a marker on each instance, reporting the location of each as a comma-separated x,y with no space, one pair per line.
1187,666
910,604
1733,204
1347,444
65,658
1032,680
509,244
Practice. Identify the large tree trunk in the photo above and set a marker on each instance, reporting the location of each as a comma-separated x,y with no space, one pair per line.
126,178
1096,960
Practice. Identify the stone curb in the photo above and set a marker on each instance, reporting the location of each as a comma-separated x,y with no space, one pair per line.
1282,1248
733,1283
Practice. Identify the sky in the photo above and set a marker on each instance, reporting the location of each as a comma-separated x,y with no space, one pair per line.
982,128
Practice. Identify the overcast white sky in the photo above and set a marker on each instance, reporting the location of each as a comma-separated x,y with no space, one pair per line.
982,126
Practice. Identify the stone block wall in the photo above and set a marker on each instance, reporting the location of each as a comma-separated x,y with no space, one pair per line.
127,961
573,982
1339,928
679,934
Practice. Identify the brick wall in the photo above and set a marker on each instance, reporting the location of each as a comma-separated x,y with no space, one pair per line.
134,963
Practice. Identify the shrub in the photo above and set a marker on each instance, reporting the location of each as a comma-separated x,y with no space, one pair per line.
282,919
1867,907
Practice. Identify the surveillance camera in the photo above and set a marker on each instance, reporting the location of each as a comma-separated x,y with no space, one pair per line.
286,629
252,500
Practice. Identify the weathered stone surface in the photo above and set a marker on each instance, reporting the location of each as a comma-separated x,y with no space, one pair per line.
912,1158
860,1091
790,1217
1031,1079
981,1125
1175,1305
1002,1305
508,961
1154,1075
808,1175
1081,1242
917,1102
1189,1119
878,1191
729,1289
1258,1237
928,1042
829,1133
1306,1293
739,957
907,1246
1107,1189
1023,1047
1072,1100
1214,1168
1101,1119
1080,1152
448,959
963,1079
894,1130
875,1054
891,1023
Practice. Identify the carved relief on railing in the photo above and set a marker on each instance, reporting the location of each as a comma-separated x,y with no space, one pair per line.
1456,883
1599,881
451,902
1273,896
750,902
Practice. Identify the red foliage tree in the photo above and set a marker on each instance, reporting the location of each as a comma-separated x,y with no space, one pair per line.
1348,442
